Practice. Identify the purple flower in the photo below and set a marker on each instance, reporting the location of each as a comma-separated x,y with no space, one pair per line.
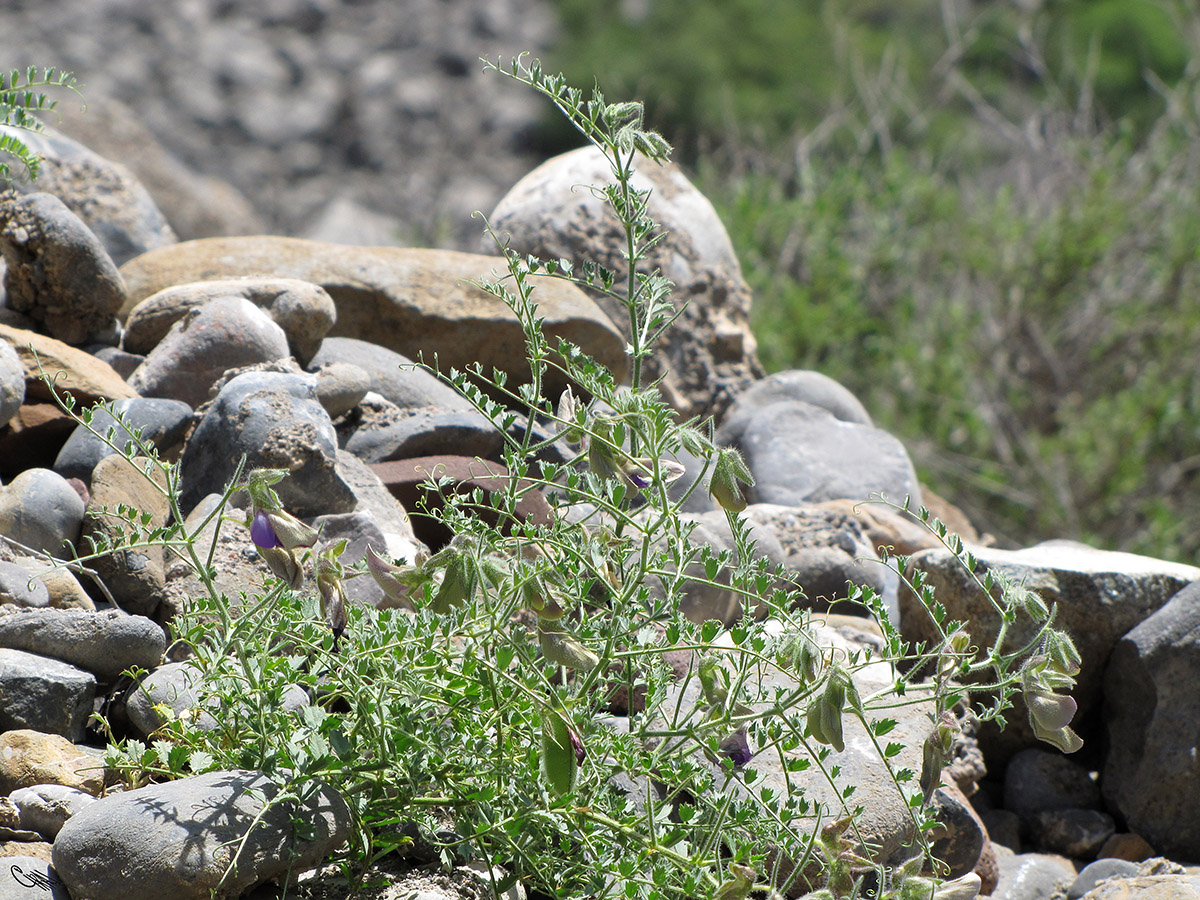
262,532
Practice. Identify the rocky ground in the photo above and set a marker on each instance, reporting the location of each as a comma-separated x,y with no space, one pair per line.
367,122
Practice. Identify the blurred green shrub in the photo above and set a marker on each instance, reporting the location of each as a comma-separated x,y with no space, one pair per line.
1035,346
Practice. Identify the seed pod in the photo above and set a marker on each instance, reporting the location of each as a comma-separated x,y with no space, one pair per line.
560,757
458,586
728,470
564,650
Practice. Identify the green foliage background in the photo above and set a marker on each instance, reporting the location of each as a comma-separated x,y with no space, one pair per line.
978,216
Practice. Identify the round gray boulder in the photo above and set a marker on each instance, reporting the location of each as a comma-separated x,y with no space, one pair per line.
105,643
179,839
41,510
162,422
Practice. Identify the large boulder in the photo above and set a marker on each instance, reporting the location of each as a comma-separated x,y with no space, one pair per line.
710,355
1152,714
104,194
181,838
58,272
1099,595
83,376
416,302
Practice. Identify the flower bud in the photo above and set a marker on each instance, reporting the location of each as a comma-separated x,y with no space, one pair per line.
739,885
458,586
284,565
291,533
728,470
329,574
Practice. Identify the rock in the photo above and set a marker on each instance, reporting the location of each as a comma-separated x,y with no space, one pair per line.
45,808
103,643
134,575
886,824
63,589
35,434
44,694
710,355
376,498
29,758
1100,870
195,205
31,878
341,387
104,194
428,432
180,837
1003,827
343,221
702,601
1100,595
405,480
1126,846
1151,777
223,334
1077,833
411,301
87,379
58,272
124,364
800,453
162,423
179,687
803,385
12,382
276,421
960,837
18,589
1147,887
41,510
826,552
1032,876
393,376
304,311
1039,779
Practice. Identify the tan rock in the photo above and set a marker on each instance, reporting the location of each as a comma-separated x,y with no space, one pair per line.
412,301
31,757
304,311
84,377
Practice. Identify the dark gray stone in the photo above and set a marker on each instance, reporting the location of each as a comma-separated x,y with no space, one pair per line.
800,453
177,839
19,588
428,432
393,376
174,686
1151,777
44,695
45,808
276,421
122,362
105,643
58,272
162,423
1077,833
1038,779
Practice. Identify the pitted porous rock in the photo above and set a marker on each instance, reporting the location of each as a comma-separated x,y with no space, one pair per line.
58,273
710,355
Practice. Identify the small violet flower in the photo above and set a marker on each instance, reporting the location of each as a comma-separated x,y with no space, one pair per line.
262,533
737,748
